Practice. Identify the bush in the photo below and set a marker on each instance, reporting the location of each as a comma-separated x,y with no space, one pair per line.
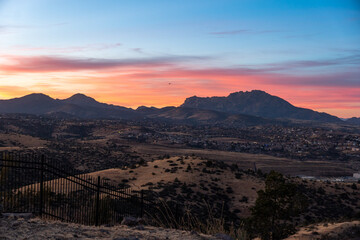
275,207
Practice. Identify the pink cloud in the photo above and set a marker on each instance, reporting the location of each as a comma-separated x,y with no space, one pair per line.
164,81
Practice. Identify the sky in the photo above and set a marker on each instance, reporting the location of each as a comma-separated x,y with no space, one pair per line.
158,52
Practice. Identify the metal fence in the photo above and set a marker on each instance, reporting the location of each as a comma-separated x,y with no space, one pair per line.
30,183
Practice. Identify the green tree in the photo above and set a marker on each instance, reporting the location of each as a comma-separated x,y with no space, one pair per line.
276,206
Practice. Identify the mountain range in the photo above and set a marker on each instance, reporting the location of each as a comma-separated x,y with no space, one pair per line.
245,108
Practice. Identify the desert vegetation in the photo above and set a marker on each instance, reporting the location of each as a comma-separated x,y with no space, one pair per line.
200,185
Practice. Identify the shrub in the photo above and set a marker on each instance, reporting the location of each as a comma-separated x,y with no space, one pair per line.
275,207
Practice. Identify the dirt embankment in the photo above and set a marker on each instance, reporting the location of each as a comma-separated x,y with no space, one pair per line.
329,231
35,228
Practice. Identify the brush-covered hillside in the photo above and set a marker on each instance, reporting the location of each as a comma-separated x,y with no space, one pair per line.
227,190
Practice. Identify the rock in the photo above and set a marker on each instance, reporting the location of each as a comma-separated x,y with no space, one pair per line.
140,227
129,221
153,238
223,236
15,224
104,231
126,238
26,216
141,221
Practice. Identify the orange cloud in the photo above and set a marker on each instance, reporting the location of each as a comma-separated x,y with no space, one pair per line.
165,81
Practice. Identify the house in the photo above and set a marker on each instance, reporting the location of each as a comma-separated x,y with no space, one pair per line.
356,175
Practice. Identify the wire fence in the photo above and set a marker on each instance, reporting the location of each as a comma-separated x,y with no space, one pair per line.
34,184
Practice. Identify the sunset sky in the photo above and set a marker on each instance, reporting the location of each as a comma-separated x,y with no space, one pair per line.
157,53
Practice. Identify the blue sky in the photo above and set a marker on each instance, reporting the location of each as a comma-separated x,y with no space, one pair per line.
312,45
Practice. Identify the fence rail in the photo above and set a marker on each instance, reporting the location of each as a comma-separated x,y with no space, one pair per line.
31,183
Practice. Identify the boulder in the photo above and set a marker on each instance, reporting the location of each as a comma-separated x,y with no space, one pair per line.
130,221
223,236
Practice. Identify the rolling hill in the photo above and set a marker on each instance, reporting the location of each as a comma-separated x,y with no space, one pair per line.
78,105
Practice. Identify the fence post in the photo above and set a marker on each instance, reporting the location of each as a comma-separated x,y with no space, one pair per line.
42,185
177,213
97,206
142,204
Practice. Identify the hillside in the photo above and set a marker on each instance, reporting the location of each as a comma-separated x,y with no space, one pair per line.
204,116
193,177
257,103
193,180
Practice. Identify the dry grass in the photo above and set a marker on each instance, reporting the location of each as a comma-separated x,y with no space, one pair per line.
325,231
14,141
190,222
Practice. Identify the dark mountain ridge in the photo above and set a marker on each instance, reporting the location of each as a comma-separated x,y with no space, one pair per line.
244,108
353,120
258,103
78,105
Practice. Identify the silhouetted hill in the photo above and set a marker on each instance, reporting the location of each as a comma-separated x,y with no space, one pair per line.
353,120
257,103
82,100
79,106
85,101
35,103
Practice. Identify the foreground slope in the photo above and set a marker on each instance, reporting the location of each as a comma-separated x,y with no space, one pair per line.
35,228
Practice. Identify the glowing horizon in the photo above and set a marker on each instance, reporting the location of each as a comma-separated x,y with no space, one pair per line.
158,54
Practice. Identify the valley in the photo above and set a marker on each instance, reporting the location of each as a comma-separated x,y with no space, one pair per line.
195,160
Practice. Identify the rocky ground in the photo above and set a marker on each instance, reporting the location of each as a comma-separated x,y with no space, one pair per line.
329,231
34,228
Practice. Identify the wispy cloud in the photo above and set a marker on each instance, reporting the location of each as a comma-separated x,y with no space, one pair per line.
301,36
11,28
59,63
137,50
18,64
244,31
69,49
19,26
